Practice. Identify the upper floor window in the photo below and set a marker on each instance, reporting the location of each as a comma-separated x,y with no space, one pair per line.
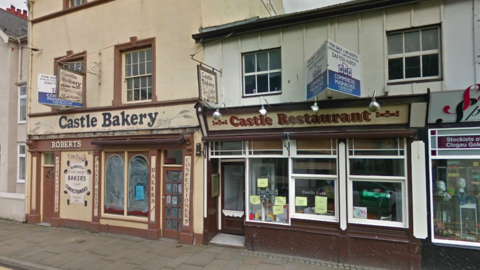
22,104
262,72
138,75
135,61
414,54
76,3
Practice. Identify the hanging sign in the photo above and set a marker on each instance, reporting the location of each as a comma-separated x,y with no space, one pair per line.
46,88
207,85
333,67
70,85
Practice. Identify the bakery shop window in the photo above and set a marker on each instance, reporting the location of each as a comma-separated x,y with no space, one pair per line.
377,182
126,183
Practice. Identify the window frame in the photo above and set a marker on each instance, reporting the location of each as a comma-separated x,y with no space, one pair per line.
127,156
21,156
419,53
119,92
269,71
403,180
20,98
148,76
67,4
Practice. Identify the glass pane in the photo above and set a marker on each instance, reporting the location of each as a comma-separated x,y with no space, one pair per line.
173,157
262,61
169,224
174,188
134,69
382,167
395,44
48,158
174,176
128,71
395,69
377,200
169,176
149,54
21,168
275,60
430,39
134,57
412,67
250,85
23,109
234,187
143,92
269,183
315,197
262,83
169,212
180,212
23,90
129,95
141,56
316,147
275,81
114,183
129,83
149,68
179,201
169,188
249,63
455,186
174,225
315,166
174,213
412,41
430,65
179,225
138,174
142,69
21,149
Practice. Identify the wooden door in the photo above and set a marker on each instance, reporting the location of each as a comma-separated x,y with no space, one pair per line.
233,195
48,192
172,202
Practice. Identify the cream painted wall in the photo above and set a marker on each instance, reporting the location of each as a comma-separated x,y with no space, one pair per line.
362,33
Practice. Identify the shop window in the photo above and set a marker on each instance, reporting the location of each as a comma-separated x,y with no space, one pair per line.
414,54
262,72
173,157
377,181
316,147
268,187
22,163
266,147
126,185
227,148
22,104
455,186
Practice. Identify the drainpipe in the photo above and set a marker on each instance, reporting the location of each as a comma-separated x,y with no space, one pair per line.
19,59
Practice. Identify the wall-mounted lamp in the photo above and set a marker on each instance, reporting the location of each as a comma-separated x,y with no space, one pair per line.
474,87
262,110
374,105
217,115
315,106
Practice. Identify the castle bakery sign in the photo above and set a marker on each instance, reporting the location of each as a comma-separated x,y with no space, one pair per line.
395,114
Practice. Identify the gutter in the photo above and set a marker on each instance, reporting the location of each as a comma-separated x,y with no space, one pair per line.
349,8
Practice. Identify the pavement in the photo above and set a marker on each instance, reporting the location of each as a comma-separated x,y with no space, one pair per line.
34,247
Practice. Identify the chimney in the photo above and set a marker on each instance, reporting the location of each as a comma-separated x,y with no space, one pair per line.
17,12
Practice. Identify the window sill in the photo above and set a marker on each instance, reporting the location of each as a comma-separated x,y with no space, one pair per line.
262,94
20,181
419,80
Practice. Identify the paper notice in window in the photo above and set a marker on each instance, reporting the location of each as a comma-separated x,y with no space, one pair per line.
139,193
320,205
280,200
277,209
254,199
300,201
262,182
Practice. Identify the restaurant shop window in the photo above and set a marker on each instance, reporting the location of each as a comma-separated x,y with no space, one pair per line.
126,183
455,185
377,181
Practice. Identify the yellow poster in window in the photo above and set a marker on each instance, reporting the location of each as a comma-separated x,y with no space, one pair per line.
280,200
300,201
262,182
320,205
277,209
254,199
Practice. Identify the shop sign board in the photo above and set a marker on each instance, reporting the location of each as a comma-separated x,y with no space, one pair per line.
114,120
388,115
46,89
70,85
333,67
77,179
207,84
456,142
454,106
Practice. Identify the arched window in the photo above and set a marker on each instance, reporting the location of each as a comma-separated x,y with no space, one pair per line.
114,185
138,174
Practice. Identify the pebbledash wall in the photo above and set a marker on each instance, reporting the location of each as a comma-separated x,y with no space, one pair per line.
123,159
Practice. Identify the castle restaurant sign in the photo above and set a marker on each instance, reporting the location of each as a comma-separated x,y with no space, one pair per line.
388,115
